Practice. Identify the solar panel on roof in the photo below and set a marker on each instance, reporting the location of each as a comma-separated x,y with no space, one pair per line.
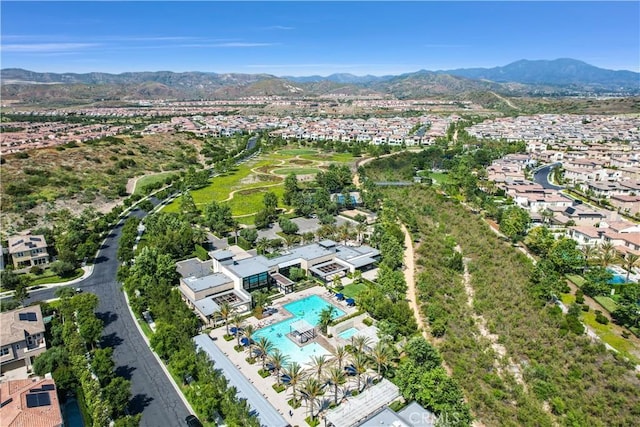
31,316
32,400
22,316
48,387
35,400
6,402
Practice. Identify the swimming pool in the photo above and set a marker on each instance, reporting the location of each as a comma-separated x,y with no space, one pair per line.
617,278
309,309
348,333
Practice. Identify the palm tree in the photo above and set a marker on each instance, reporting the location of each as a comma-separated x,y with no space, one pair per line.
629,261
336,378
359,342
295,373
318,364
340,355
607,254
224,312
357,276
360,365
308,237
381,356
264,345
291,239
262,244
311,389
547,215
278,359
344,232
237,321
248,333
588,252
360,230
199,236
325,317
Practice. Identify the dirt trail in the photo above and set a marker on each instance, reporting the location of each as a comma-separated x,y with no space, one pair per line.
481,322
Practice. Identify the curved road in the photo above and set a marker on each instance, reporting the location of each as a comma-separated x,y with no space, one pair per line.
542,177
152,392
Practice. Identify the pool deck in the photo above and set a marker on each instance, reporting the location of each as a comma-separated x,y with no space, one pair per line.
264,385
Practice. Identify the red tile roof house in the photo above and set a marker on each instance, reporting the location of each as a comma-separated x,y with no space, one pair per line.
30,403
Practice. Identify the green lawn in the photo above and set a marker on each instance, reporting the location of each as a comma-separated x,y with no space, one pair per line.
49,277
151,179
329,157
297,171
439,178
577,280
609,304
297,151
353,290
250,201
605,332
608,335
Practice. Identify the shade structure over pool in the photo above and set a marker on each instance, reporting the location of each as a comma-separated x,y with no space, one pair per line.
340,297
244,341
351,301
301,327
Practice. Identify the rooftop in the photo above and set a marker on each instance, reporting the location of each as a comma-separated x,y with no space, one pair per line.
357,408
29,403
211,281
267,414
16,323
26,243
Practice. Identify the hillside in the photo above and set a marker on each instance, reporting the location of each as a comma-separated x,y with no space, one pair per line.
559,77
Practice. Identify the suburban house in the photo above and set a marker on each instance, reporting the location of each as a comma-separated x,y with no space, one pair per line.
28,251
231,274
22,337
629,205
31,402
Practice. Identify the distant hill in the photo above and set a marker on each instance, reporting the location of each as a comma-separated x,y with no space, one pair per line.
557,77
558,72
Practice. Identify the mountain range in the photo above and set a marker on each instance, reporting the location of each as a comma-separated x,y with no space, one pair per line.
520,78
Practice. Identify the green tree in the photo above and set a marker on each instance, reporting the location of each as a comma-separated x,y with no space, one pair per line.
539,240
514,222
278,359
218,217
326,317
288,226
250,235
295,374
290,188
102,364
565,256
21,293
270,201
50,360
336,378
118,393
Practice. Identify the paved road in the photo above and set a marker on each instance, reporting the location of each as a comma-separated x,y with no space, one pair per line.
152,393
542,177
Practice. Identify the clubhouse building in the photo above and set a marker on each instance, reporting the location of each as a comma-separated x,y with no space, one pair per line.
230,275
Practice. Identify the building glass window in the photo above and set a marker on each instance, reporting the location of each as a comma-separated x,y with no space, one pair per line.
4,351
255,281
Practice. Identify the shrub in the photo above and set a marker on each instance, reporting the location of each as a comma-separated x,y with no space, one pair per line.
600,318
368,321
36,270
279,388
264,373
579,297
585,308
63,269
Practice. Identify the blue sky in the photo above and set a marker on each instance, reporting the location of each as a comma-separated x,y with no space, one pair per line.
305,38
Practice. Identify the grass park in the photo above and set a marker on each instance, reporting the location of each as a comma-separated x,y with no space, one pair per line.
244,187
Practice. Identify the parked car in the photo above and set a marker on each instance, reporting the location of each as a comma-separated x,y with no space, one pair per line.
193,421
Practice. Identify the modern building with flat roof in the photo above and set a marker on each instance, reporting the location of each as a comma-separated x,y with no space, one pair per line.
230,275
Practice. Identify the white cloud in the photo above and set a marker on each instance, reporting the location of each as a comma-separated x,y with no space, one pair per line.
45,47
230,44
279,27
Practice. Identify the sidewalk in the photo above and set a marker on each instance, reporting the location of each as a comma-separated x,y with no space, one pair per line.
88,271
